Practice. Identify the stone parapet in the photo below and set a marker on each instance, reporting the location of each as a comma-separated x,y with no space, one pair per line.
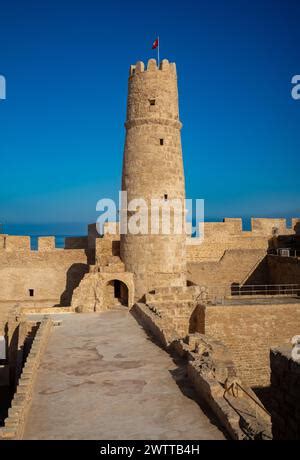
212,373
14,424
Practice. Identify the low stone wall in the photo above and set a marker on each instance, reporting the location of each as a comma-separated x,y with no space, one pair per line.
247,330
45,310
212,373
285,394
15,422
150,319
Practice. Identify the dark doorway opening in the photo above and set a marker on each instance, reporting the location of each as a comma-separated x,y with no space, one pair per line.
117,289
116,293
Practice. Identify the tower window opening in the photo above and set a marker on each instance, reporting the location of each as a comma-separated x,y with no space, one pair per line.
161,141
31,292
152,101
165,196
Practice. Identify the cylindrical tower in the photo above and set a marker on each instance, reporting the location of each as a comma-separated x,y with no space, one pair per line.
153,169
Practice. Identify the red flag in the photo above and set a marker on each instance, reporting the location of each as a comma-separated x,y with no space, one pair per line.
155,44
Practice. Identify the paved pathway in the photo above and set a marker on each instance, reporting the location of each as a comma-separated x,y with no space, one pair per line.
102,378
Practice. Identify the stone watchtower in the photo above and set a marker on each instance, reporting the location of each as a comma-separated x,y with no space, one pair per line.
153,168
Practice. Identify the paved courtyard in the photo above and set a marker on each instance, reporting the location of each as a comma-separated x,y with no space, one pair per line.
102,378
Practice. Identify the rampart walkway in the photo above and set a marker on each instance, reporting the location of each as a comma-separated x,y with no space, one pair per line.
102,378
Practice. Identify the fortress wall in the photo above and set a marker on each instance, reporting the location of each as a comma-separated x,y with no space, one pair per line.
103,251
2,241
76,242
206,251
51,274
212,248
22,243
106,248
219,231
235,266
236,223
221,236
14,243
249,331
284,270
46,243
285,383
5,310
265,226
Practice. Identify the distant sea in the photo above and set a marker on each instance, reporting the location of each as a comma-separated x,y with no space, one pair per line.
63,230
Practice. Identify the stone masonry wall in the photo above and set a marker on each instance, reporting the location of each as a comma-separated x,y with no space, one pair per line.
221,238
235,266
153,138
249,331
52,274
227,235
285,394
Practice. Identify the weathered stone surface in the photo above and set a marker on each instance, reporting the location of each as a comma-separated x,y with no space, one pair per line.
102,378
153,118
96,291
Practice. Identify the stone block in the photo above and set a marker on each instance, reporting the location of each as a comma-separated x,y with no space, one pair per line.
46,243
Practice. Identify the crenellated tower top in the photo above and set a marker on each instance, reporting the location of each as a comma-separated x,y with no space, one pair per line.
152,94
164,66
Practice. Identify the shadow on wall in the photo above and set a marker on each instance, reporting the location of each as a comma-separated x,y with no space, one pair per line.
74,275
12,355
197,320
259,275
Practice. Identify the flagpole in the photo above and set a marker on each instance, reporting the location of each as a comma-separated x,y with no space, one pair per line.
158,51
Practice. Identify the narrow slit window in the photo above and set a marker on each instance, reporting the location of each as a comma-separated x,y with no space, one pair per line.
161,141
31,292
152,101
165,196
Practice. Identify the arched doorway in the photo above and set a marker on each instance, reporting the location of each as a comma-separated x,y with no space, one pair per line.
116,294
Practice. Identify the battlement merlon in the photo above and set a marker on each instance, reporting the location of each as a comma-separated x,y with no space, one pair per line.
164,66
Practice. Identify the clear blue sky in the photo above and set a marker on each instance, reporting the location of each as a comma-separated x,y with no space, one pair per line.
62,125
